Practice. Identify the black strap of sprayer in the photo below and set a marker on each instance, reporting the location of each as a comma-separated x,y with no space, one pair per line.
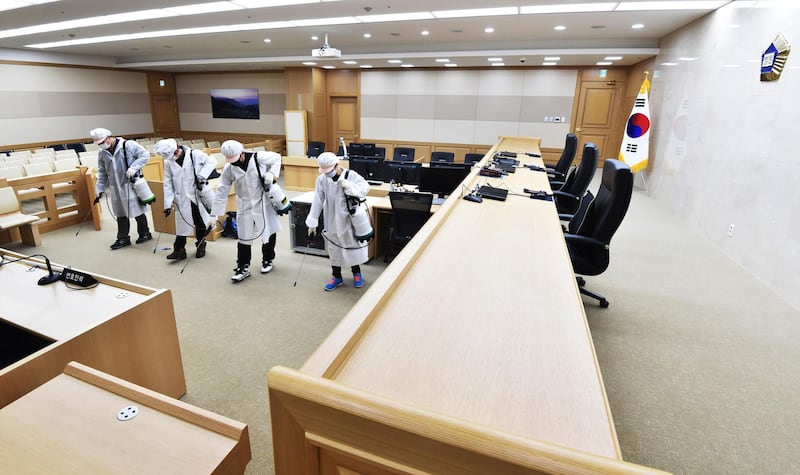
197,183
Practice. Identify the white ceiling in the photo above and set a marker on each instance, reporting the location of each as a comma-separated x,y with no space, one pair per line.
521,40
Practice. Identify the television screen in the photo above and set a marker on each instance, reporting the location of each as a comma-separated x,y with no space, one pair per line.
441,180
402,173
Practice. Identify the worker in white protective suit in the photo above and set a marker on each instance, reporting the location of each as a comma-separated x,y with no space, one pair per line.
186,173
119,164
330,190
252,173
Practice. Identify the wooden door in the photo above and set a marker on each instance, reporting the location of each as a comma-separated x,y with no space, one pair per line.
598,115
344,120
165,116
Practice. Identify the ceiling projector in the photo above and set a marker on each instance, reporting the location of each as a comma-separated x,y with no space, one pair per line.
326,51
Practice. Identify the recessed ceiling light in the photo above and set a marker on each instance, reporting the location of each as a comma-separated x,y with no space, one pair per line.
669,64
424,32
350,61
552,58
549,63
442,60
365,66
498,64
309,63
267,40
612,58
406,65
314,38
367,35
495,60
451,65
394,61
488,30
637,26
604,63
560,28
328,66
687,59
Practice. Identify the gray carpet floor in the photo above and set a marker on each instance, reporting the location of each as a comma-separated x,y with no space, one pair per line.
700,359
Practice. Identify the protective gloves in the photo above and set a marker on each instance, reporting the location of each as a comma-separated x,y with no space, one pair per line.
167,212
131,172
312,231
97,198
347,187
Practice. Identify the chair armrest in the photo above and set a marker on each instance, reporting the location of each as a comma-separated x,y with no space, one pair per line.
565,216
566,199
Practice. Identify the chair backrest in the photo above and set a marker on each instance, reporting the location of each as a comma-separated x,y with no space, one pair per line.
609,207
91,147
8,200
380,152
315,148
213,144
14,171
355,148
89,160
13,162
473,157
568,154
579,180
78,147
66,164
577,218
22,154
410,211
70,152
443,157
39,168
403,154
42,158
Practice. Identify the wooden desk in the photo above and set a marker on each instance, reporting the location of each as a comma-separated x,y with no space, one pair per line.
70,425
120,328
469,354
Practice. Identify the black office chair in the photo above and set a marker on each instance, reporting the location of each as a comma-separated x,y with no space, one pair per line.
575,220
355,149
568,197
473,158
589,245
410,211
315,148
78,147
380,152
403,154
57,147
368,149
557,173
443,157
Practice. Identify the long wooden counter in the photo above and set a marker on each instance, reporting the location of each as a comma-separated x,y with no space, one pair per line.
470,354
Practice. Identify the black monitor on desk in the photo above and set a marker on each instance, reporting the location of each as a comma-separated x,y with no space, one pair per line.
442,180
369,168
402,173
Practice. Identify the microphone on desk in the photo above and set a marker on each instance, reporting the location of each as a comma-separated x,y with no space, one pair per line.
51,276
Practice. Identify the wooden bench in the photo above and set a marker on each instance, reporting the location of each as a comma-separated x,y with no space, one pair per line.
13,223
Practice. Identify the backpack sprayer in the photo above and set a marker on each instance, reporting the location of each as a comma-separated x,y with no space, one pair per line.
142,189
362,227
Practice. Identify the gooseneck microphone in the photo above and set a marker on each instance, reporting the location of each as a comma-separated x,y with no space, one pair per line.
51,276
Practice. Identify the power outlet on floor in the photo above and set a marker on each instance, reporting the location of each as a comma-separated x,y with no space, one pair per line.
730,230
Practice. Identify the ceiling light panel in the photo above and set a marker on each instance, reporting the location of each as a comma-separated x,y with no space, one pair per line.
476,12
670,5
201,8
396,17
14,4
574,8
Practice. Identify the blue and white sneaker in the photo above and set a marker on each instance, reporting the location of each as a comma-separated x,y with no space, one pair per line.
333,283
358,281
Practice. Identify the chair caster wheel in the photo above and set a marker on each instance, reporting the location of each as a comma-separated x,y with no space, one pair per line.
604,303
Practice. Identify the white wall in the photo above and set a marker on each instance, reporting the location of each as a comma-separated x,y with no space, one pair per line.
45,103
723,148
469,106
194,102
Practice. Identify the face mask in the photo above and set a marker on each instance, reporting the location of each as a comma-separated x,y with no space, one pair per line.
331,174
104,146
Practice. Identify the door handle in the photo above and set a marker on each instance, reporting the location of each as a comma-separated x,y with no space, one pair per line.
578,129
